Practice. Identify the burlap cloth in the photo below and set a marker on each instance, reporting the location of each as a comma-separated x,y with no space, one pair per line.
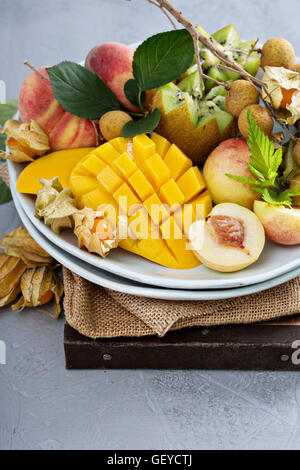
102,313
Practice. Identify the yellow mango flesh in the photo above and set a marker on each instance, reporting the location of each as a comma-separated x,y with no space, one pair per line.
155,186
55,164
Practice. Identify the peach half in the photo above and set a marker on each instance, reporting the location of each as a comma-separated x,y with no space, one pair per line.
229,240
281,224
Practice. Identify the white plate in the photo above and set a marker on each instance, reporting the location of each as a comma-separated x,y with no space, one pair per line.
110,281
274,261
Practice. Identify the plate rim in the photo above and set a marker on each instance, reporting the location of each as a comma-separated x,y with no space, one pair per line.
144,278
147,291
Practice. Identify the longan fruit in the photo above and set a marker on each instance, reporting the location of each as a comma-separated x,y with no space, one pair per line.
278,52
296,153
111,124
295,184
241,94
296,67
261,116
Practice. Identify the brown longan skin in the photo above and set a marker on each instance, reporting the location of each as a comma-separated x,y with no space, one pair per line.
278,52
296,67
241,94
112,123
296,154
261,116
295,184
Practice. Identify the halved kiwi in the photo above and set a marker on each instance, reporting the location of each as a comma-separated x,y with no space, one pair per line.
227,39
198,121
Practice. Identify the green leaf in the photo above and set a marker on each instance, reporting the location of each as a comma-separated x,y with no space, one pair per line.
144,125
5,194
280,199
132,92
163,58
252,181
265,161
80,91
8,110
2,142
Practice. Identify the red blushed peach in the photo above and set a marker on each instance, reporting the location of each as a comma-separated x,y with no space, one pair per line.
230,157
281,224
72,132
36,101
112,62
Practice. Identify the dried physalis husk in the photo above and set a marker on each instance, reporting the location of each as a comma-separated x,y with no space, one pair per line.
11,270
94,232
25,140
39,286
283,93
55,205
20,244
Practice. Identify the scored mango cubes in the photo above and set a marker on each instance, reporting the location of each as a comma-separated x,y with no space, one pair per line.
155,185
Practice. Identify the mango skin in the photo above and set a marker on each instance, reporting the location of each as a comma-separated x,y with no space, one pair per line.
54,164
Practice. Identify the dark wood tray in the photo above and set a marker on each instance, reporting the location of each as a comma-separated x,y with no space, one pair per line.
264,346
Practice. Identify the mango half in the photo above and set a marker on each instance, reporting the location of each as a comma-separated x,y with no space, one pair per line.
156,189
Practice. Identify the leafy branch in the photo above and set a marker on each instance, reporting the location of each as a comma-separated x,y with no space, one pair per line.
264,166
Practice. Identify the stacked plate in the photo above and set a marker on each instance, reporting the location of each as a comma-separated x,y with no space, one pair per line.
128,273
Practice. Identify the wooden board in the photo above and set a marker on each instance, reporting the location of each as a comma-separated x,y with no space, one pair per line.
265,346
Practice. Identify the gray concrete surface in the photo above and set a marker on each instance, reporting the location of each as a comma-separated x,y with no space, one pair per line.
42,406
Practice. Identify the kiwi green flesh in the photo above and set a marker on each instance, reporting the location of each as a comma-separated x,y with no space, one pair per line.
191,84
228,37
222,117
201,110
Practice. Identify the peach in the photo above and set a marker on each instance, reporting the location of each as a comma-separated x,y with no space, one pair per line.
112,62
230,157
230,239
36,101
281,224
72,132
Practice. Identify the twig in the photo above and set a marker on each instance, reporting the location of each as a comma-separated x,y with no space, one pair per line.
35,70
208,43
164,12
251,50
254,80
217,82
282,125
96,129
240,51
196,47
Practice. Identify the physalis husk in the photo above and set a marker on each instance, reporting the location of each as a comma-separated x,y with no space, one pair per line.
38,287
25,140
20,244
283,93
94,232
11,270
55,205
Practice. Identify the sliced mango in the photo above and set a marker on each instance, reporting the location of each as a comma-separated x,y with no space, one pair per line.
54,164
152,183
